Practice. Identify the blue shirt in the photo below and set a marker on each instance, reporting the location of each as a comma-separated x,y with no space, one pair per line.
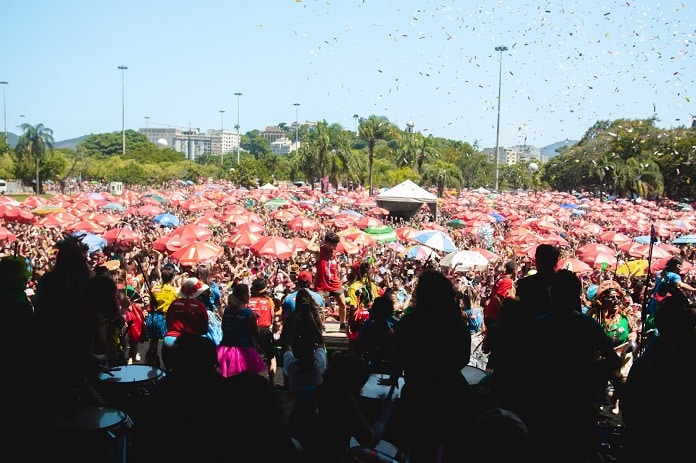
288,305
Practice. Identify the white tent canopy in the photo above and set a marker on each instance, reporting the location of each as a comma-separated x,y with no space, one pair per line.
268,186
405,199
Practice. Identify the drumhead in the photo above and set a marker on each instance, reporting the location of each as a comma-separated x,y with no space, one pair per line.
373,390
473,374
132,374
92,418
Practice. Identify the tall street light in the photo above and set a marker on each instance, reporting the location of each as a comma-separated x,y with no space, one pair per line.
239,140
500,49
355,118
222,127
123,108
297,127
4,108
147,122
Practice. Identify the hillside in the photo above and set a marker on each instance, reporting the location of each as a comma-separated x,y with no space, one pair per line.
550,150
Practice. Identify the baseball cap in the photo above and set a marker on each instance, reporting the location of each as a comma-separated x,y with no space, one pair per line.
305,276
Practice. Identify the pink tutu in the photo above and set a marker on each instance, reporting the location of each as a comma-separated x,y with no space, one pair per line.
234,360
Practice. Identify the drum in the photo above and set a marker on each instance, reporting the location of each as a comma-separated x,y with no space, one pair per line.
127,386
473,374
93,434
373,390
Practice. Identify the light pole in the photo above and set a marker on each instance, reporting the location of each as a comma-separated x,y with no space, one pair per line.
500,49
123,108
297,127
147,122
4,108
239,140
355,118
222,127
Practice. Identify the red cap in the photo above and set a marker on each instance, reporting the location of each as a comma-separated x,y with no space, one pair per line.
306,276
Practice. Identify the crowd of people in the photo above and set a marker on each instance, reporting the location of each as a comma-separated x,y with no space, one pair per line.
559,346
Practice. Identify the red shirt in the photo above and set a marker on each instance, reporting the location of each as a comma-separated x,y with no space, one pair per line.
187,316
264,307
501,289
327,278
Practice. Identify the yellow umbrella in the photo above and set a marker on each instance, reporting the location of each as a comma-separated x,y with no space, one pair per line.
633,268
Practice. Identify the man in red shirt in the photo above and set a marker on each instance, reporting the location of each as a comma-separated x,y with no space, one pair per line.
502,288
185,315
264,307
327,281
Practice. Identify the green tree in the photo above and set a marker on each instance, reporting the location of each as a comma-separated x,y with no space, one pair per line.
32,146
372,130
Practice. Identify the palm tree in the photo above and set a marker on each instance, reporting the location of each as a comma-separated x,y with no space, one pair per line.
32,145
426,150
373,129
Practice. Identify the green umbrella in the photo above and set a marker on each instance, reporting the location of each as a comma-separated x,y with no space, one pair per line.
157,198
382,233
456,223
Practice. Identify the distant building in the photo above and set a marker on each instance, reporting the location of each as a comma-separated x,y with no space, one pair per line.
191,142
514,154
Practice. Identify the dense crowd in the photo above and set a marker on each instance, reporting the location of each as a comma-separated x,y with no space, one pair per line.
258,322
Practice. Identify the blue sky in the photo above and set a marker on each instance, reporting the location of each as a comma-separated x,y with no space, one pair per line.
568,64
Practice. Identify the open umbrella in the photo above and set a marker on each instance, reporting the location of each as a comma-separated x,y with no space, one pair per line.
464,260
302,223
121,235
419,252
192,233
94,242
243,238
166,219
382,234
197,253
274,246
169,243
685,239
574,265
436,239
632,268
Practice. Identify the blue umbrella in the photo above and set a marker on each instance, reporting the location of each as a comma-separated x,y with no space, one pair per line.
497,217
685,239
568,205
351,212
94,242
166,220
436,239
114,207
644,239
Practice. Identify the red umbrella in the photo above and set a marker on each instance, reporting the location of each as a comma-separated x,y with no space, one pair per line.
244,238
197,253
149,209
614,237
86,226
169,243
302,223
574,265
282,214
599,259
300,243
592,249
192,233
274,246
121,235
367,222
6,235
251,227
